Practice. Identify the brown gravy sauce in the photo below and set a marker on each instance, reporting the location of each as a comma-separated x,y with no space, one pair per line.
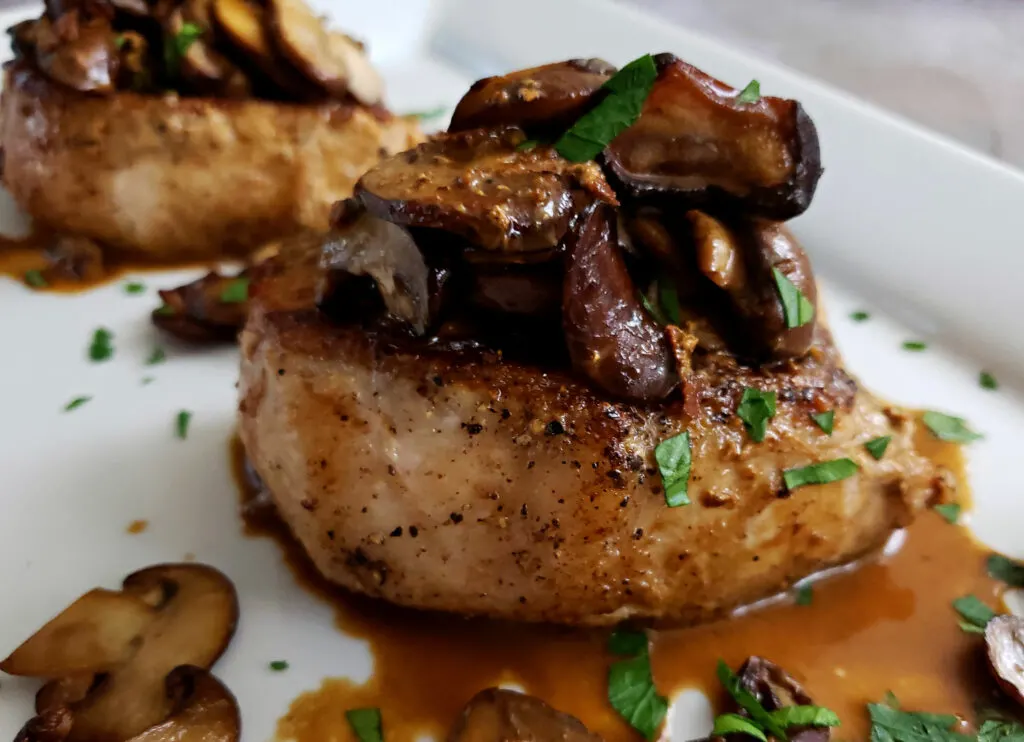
136,527
887,625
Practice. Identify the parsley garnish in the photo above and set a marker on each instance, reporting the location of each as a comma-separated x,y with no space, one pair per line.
1006,570
164,310
366,723
236,291
278,665
825,420
527,144
134,287
147,380
176,46
976,614
653,310
627,642
987,381
805,595
736,724
631,689
805,716
860,316
102,347
950,511
949,428
77,402
119,41
1001,730
157,356
430,113
915,345
669,298
821,473
35,279
748,702
876,446
751,93
673,457
798,308
182,423
889,724
626,92
755,409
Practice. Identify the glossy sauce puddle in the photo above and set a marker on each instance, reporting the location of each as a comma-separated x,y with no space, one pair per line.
886,625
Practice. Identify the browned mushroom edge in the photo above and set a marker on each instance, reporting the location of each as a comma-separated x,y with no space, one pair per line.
1004,645
212,48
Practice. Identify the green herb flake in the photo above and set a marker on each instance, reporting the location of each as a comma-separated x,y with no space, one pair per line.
236,291
134,287
366,723
736,724
626,92
653,309
915,345
889,724
278,665
668,297
431,113
631,692
147,380
876,446
860,316
949,428
1006,570
35,279
988,381
157,356
891,700
182,422
975,614
527,145
797,308
755,409
748,702
950,511
805,595
627,642
177,46
1001,730
164,310
751,93
674,460
102,346
805,716
825,421
824,472
119,41
77,402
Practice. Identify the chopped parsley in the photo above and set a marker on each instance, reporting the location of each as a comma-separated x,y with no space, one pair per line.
748,702
35,279
176,46
736,724
1007,570
821,473
950,511
805,595
627,642
674,460
157,356
366,724
1001,730
876,446
146,380
948,428
430,113
181,424
669,298
653,309
278,665
974,613
825,420
988,381
755,409
797,308
119,41
751,93
102,346
236,291
626,92
860,316
889,724
134,287
915,345
164,310
631,689
527,144
77,402
805,716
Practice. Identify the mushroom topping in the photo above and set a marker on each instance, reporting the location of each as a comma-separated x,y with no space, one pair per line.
74,258
741,259
496,715
127,644
203,710
210,309
480,186
610,338
1004,643
327,58
697,144
518,289
542,100
203,68
81,55
362,245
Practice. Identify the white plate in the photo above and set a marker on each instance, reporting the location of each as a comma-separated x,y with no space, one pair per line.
905,224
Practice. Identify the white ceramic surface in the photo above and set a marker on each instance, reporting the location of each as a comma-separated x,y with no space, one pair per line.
914,229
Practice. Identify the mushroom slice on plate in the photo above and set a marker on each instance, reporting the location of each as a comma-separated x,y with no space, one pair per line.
544,99
83,56
327,58
610,337
698,144
200,65
1004,642
203,710
480,186
498,715
205,310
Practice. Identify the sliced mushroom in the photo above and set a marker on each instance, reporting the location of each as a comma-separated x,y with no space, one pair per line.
775,688
697,145
201,66
170,615
204,710
610,338
497,715
479,186
74,258
739,258
518,289
137,8
198,313
1004,644
327,58
362,245
542,100
80,55
52,727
